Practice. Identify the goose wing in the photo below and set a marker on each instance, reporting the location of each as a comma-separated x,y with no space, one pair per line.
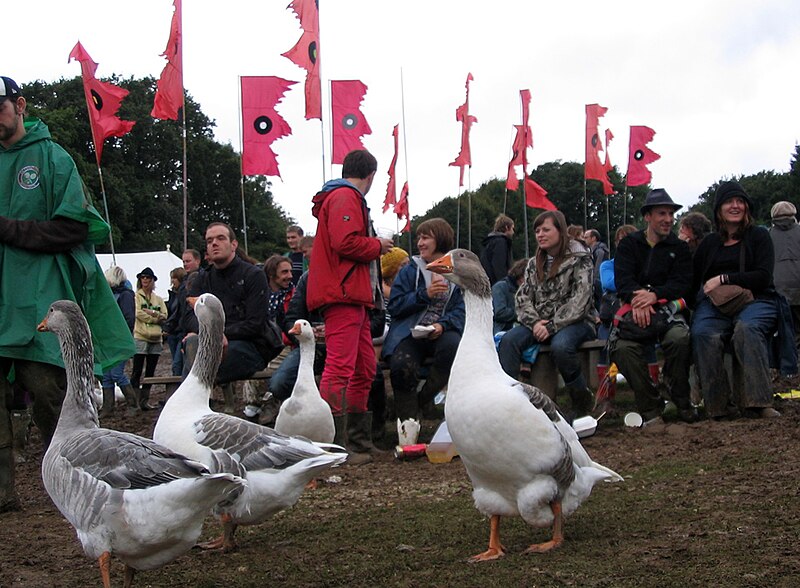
125,461
256,447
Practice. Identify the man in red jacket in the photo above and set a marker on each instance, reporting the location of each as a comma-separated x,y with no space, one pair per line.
344,284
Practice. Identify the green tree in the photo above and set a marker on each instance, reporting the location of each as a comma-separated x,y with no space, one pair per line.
143,171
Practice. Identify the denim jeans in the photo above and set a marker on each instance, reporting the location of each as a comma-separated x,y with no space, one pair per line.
748,334
563,350
116,375
174,344
241,360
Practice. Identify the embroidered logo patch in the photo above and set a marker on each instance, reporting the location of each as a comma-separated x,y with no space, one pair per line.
28,177
346,218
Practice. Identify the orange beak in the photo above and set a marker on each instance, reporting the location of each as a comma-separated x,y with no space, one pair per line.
443,265
295,330
190,300
42,326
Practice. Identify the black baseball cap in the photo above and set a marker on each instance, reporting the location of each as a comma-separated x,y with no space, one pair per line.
9,90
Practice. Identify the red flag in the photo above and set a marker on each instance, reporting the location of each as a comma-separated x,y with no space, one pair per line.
640,156
261,124
536,196
306,54
608,187
466,119
593,168
103,100
522,140
169,93
349,124
391,187
401,208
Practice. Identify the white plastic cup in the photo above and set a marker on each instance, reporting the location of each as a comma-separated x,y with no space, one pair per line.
384,233
633,419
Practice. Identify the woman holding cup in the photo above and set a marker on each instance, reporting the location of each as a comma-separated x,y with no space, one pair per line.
427,315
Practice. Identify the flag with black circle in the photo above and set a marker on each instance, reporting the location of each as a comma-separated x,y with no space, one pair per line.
305,53
640,156
348,122
261,124
103,100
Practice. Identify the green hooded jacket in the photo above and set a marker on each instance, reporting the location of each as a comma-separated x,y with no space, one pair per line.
39,181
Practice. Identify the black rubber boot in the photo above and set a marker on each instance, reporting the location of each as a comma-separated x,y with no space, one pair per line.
359,438
131,398
8,496
107,409
340,427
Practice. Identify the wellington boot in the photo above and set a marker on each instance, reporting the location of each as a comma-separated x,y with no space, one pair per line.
144,399
131,399
340,428
8,496
582,401
359,438
109,401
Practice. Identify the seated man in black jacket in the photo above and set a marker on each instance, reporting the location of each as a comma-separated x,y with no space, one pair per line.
242,289
653,265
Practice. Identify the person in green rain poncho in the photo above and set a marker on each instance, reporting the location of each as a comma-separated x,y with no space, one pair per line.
48,229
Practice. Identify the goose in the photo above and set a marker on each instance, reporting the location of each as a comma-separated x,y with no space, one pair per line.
277,466
124,495
521,455
305,413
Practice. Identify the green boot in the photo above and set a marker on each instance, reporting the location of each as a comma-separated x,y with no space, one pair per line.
8,496
107,409
359,438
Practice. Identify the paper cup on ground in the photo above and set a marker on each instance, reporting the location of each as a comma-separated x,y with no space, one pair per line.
633,419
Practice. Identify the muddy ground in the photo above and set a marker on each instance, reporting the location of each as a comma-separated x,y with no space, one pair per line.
707,504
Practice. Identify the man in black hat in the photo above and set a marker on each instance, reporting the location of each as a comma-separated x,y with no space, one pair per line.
652,267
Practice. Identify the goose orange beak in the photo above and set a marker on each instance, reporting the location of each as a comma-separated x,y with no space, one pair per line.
190,300
42,326
443,265
295,330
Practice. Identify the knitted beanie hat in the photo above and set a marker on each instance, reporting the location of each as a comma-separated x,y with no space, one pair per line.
391,261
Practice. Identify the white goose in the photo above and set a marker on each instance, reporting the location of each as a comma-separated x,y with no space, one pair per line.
305,413
521,455
277,466
124,494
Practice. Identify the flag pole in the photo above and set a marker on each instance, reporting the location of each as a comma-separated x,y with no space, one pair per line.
585,213
525,213
458,216
469,208
625,203
405,158
108,217
241,167
608,220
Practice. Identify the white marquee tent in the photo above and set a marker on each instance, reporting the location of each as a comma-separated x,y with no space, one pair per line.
161,262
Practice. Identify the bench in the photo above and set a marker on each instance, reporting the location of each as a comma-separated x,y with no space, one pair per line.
545,375
171,384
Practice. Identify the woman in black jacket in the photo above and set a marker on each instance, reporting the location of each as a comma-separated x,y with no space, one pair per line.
738,253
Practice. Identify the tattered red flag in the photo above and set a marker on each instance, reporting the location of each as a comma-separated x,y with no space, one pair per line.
640,156
306,54
608,187
261,124
536,196
466,119
522,141
593,167
103,100
391,187
169,92
401,208
348,124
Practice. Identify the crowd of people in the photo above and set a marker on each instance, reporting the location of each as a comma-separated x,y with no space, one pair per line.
371,303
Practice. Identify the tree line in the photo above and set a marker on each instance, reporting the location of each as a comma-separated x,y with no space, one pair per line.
142,174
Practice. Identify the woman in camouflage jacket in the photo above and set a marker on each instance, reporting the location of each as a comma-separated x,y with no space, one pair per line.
555,307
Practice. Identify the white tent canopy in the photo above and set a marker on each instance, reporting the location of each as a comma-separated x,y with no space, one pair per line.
161,262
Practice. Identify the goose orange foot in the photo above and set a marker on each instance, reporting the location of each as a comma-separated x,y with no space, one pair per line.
558,532
496,549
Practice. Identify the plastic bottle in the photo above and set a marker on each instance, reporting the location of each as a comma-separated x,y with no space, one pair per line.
441,449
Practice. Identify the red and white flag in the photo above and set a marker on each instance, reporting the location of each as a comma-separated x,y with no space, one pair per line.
348,124
103,100
169,92
522,141
261,124
306,54
466,119
640,156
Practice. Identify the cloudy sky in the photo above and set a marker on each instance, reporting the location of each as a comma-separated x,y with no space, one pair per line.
717,80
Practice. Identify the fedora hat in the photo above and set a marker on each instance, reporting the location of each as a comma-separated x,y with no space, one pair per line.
658,197
146,273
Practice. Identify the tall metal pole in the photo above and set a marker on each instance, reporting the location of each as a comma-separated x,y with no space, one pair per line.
185,192
241,168
108,217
